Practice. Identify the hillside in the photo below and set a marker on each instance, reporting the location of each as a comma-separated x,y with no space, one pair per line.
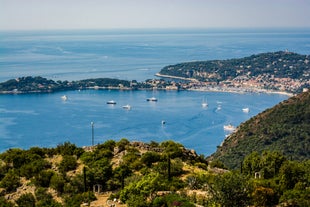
135,174
67,175
284,128
283,71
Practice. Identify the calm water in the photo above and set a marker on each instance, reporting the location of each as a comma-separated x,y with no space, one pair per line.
45,120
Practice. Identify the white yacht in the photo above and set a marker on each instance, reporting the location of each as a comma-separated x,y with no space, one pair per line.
151,99
64,98
219,107
128,107
111,102
246,110
229,127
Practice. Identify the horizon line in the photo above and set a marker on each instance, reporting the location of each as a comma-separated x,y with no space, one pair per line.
159,28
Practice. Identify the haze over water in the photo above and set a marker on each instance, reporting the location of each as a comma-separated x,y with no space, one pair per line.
45,120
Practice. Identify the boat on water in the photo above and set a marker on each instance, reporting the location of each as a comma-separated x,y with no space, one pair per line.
127,107
111,102
151,99
219,107
229,127
64,97
204,103
246,110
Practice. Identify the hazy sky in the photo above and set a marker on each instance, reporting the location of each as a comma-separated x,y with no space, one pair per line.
97,14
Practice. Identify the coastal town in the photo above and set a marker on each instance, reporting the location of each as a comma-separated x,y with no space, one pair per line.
281,71
240,84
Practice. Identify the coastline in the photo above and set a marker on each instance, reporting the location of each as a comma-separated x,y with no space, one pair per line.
240,90
50,86
225,89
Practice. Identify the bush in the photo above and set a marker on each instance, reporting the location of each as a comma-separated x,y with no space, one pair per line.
68,163
26,200
149,158
5,203
43,178
57,182
10,181
78,199
45,199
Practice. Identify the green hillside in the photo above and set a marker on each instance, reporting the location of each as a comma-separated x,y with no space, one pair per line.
273,70
136,174
284,128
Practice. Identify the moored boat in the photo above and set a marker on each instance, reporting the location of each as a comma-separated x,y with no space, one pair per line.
128,107
64,98
229,127
151,99
246,110
111,102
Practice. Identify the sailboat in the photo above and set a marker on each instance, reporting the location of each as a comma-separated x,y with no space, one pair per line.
204,103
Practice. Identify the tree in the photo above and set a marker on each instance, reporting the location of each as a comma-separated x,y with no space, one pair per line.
263,196
43,178
145,187
149,158
230,190
68,163
45,199
57,182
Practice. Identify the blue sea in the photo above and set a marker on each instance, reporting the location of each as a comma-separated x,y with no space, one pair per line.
45,120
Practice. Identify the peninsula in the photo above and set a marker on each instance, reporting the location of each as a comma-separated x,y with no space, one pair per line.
280,72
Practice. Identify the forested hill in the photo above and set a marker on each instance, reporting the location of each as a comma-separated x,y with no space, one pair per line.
273,70
284,128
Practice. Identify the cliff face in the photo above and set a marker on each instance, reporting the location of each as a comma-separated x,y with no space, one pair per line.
284,128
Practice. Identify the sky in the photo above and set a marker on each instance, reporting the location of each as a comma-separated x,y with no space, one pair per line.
115,14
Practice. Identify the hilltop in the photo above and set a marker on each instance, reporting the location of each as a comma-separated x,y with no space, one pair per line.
284,128
136,174
280,71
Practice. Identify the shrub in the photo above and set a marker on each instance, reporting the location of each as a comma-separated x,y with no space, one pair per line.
26,200
68,163
10,181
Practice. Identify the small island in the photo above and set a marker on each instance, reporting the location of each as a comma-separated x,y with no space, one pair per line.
280,72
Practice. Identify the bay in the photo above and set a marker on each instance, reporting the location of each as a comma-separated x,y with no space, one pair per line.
45,120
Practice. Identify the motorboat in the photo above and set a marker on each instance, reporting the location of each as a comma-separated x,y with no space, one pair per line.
111,102
151,99
219,107
246,110
204,104
128,107
64,97
229,127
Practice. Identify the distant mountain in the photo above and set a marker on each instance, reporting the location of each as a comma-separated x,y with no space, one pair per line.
284,128
282,70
